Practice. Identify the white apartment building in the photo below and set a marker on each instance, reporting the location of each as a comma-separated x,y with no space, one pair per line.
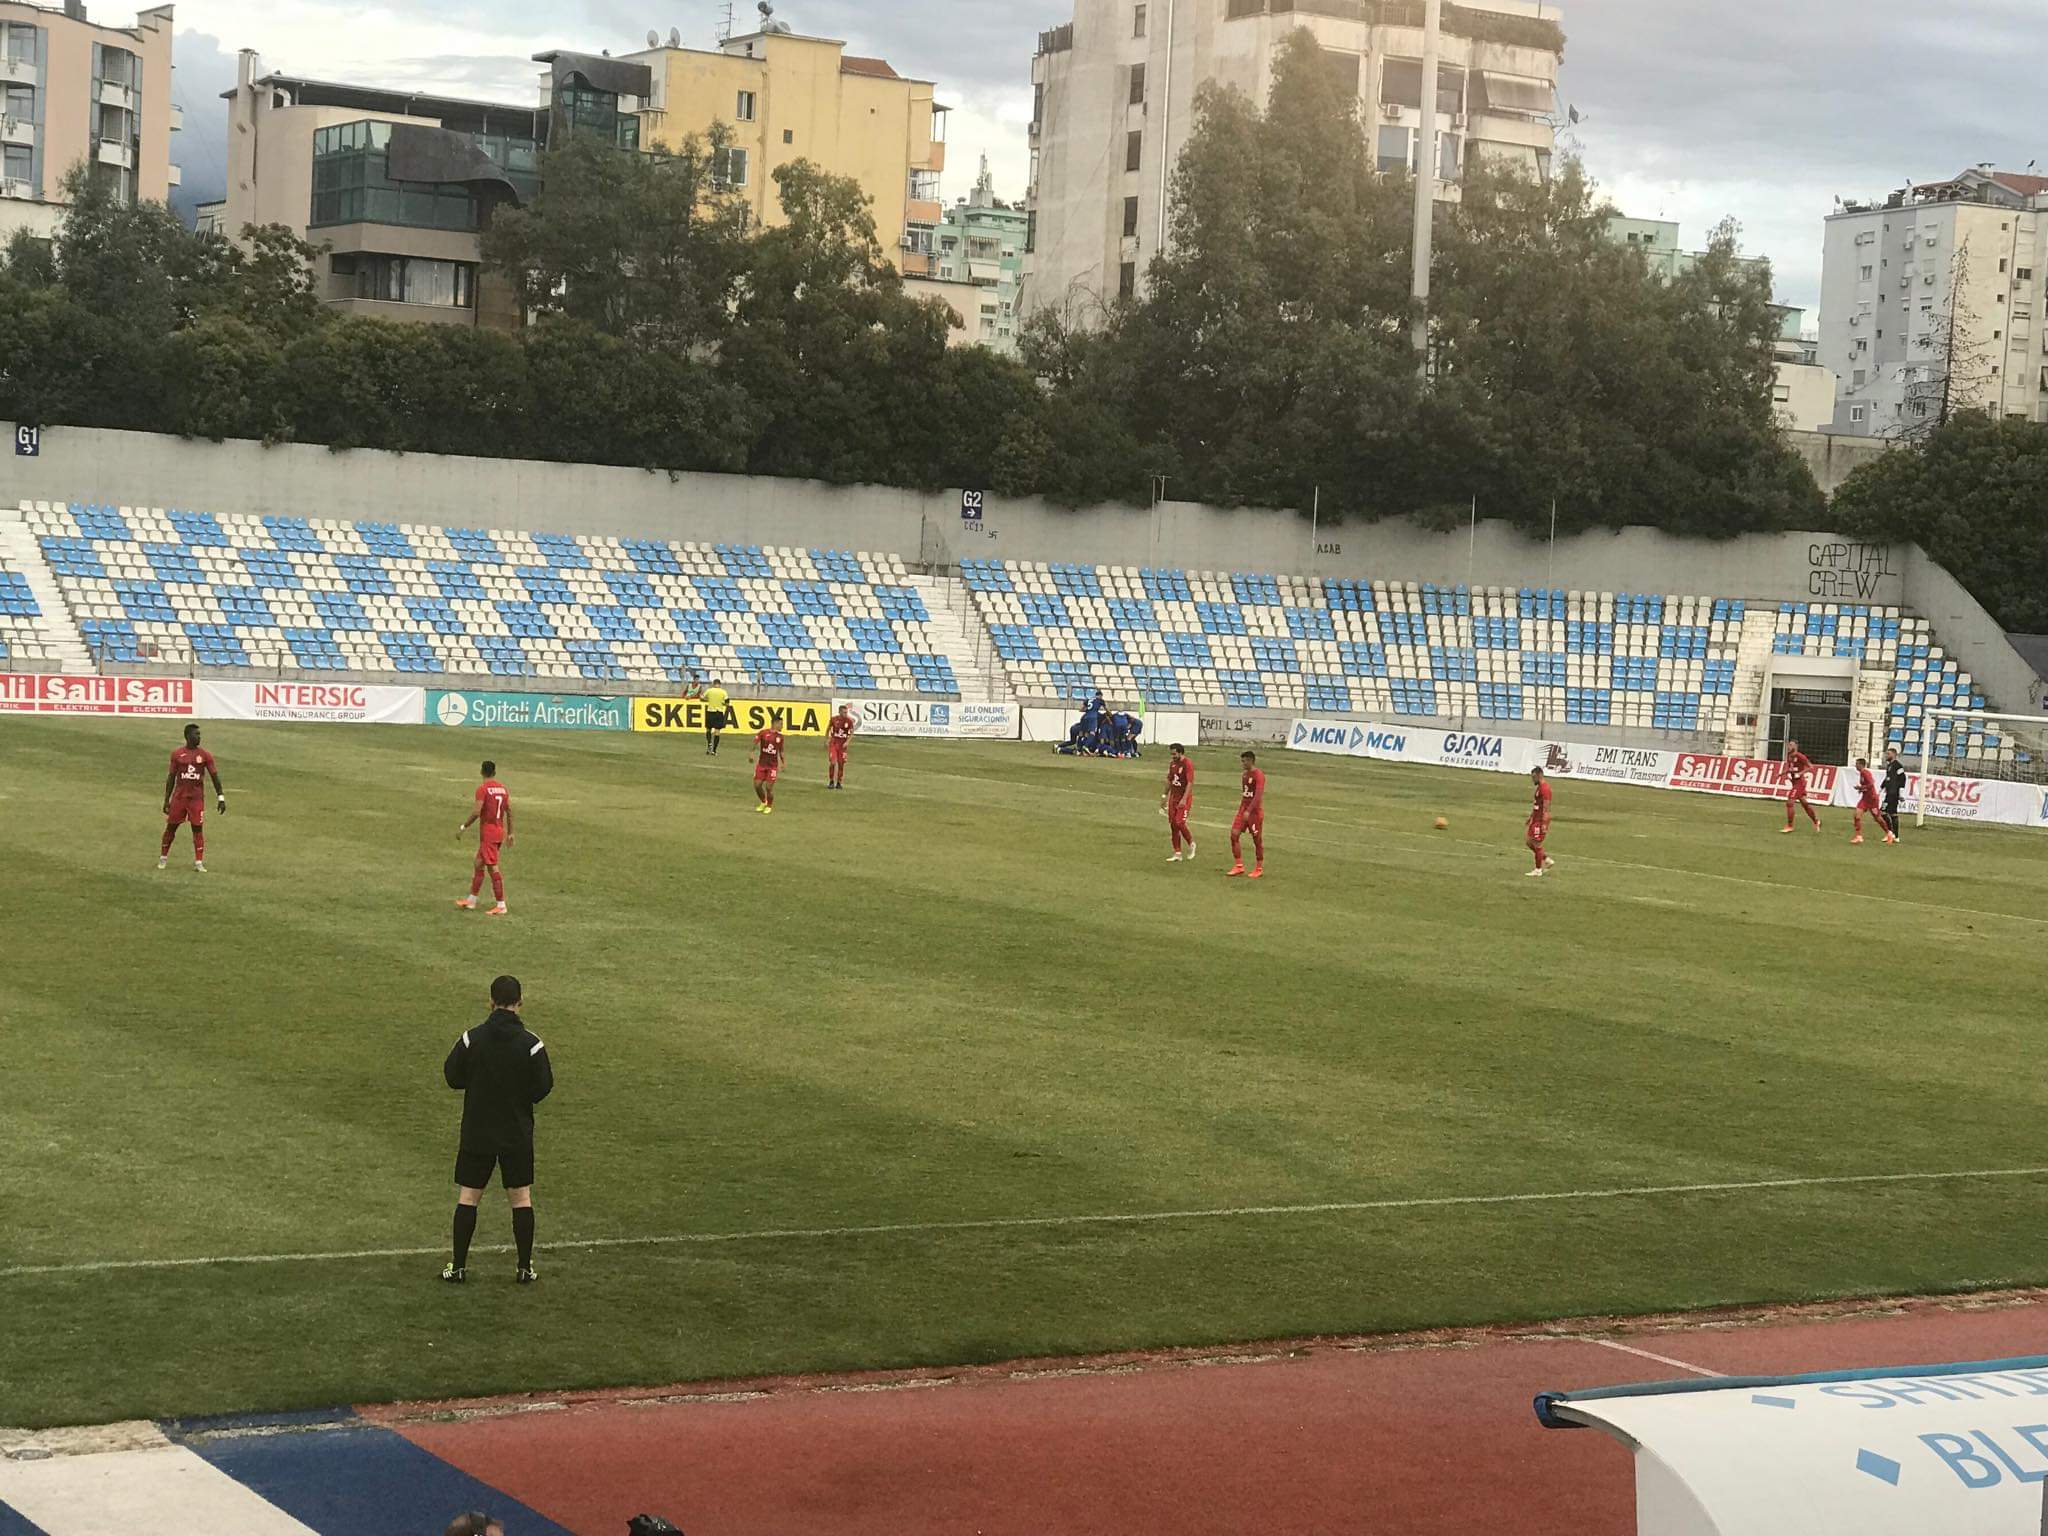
1114,93
1888,270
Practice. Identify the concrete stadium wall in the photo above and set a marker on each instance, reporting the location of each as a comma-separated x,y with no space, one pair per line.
1832,457
133,468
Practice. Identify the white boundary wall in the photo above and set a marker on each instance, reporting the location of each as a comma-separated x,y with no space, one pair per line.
1985,800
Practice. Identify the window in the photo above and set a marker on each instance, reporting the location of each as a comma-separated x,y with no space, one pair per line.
17,162
117,66
1037,105
21,42
1137,21
1031,230
744,110
411,280
729,167
1134,150
1127,280
789,135
1857,412
2023,274
1396,152
1781,393
2001,298
924,186
1137,85
2001,263
1130,217
1865,274
1859,378
19,102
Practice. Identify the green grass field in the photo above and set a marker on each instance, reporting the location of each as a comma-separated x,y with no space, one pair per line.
967,989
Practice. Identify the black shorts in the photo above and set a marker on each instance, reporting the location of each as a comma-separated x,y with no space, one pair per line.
717,720
473,1169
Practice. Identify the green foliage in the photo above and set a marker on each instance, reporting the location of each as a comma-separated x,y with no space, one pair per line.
1974,494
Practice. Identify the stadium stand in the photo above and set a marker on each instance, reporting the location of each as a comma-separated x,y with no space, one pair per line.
149,585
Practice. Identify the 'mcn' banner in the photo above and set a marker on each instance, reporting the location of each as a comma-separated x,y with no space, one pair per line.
332,703
794,717
36,693
1760,778
916,717
536,711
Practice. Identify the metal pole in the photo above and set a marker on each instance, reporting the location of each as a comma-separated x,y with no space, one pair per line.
1425,180
1926,767
1315,523
1165,127
1550,568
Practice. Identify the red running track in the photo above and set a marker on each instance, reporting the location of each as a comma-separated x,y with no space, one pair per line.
1431,1434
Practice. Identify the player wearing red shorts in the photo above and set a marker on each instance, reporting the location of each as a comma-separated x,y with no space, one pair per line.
1251,817
838,732
1539,823
1867,801
1798,767
767,760
185,798
1178,801
492,819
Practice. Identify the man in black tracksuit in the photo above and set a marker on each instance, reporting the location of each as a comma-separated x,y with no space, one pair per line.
1894,787
502,1072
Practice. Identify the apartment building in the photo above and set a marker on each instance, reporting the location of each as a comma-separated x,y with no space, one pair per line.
981,242
1895,274
398,185
77,92
1114,97
784,97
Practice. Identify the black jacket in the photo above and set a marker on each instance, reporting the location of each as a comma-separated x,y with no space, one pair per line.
503,1072
1894,782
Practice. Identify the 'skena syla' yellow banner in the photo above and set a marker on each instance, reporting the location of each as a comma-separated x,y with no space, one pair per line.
795,717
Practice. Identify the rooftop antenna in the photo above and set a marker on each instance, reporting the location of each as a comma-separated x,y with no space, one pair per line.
725,20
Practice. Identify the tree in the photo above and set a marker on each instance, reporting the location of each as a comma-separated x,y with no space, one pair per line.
1952,370
1973,493
643,246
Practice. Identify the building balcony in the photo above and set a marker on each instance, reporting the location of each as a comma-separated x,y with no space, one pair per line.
177,176
919,210
17,72
113,95
114,152
914,263
177,118
17,130
936,159
23,190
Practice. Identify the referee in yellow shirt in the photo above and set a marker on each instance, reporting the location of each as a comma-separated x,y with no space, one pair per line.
717,714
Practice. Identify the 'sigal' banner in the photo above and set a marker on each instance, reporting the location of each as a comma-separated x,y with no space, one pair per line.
329,703
534,711
36,693
916,717
1760,778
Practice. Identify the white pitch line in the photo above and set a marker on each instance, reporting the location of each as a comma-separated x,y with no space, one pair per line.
1005,1223
1644,1354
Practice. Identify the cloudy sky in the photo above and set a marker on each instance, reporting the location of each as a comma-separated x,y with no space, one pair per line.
1693,110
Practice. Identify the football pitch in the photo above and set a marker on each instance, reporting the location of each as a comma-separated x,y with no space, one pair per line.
954,1066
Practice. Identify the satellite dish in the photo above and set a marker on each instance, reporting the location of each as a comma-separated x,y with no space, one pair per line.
653,38
675,37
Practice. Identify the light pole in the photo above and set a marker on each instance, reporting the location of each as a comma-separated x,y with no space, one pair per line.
1425,179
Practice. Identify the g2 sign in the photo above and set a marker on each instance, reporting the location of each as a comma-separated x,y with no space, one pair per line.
970,508
28,442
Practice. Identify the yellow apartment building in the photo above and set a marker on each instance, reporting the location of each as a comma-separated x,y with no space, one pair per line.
788,97
74,92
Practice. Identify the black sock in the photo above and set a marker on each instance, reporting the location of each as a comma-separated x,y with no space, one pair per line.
522,1234
465,1229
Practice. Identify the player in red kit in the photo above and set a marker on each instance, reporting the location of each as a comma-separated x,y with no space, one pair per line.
767,760
1798,767
1178,801
492,819
1251,817
185,798
1539,823
1868,802
838,732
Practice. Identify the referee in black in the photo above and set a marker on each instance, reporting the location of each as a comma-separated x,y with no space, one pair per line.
502,1071
1894,787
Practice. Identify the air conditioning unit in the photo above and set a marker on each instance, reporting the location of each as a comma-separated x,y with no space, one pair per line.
1459,121
1391,112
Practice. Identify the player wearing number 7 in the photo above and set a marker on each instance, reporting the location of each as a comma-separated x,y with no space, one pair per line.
492,819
